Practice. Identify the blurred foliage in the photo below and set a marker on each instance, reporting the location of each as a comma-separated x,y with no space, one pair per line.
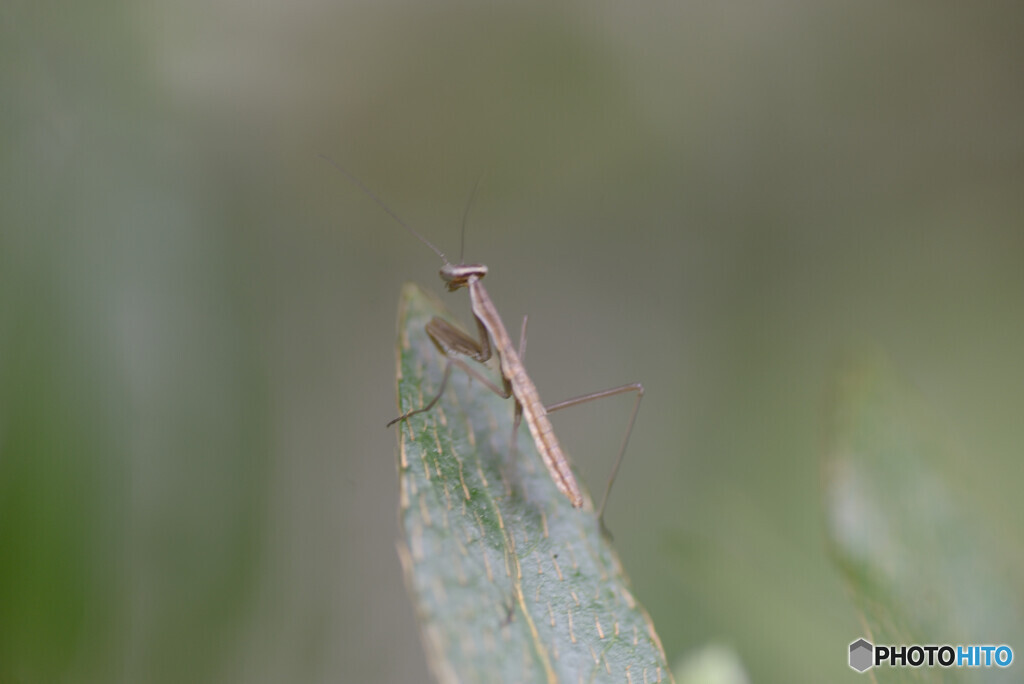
712,664
922,563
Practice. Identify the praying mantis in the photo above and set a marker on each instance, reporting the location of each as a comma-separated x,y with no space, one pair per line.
493,338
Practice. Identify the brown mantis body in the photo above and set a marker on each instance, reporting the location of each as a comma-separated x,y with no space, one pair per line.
450,339
516,382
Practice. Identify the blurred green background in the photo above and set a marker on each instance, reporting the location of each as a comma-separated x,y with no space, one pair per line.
197,313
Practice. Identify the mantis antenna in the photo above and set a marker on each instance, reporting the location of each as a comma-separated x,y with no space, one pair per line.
369,193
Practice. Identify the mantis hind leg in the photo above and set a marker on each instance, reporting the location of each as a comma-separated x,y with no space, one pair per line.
576,401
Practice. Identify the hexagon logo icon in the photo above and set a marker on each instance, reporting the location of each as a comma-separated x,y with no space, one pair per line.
861,652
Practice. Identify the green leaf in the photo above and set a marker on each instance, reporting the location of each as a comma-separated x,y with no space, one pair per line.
510,582
921,563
